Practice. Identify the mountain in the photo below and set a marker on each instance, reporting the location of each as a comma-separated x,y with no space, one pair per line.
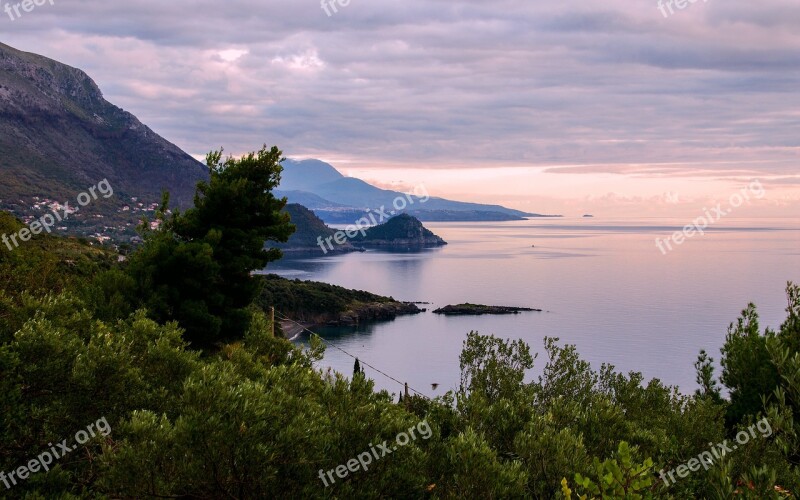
347,215
305,175
463,215
349,198
310,232
310,200
59,136
402,231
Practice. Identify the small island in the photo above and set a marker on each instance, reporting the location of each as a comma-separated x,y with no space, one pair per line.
401,231
478,309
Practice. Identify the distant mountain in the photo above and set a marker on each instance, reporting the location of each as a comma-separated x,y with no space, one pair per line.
402,231
301,178
463,215
310,200
309,231
305,175
59,136
348,215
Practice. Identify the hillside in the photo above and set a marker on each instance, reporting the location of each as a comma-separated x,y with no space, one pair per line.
311,201
59,136
309,230
318,303
44,264
402,231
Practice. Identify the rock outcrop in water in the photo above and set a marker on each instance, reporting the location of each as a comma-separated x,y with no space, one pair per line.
478,309
402,231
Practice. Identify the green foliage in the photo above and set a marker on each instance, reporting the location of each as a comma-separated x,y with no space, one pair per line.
757,483
254,418
472,469
705,378
309,229
619,477
549,453
493,367
307,300
762,373
783,411
747,370
196,269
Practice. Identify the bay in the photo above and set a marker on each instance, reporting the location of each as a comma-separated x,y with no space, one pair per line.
603,285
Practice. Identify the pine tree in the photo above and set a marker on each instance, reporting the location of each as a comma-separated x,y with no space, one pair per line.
197,268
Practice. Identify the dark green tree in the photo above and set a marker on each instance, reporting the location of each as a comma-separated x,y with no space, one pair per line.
704,366
197,268
747,369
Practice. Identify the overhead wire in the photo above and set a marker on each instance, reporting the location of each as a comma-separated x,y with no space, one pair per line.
361,361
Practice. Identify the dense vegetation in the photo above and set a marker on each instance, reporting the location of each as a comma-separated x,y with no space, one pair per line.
249,416
297,298
310,233
315,303
309,228
197,268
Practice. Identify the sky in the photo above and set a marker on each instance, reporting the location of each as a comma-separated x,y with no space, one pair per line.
616,108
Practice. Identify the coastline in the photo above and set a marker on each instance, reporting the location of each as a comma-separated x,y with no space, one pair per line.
292,330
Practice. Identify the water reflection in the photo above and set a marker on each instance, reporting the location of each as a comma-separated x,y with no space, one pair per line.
611,292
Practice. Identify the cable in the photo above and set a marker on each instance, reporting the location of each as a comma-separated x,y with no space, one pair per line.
361,361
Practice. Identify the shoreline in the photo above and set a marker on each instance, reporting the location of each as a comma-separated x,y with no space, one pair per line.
292,330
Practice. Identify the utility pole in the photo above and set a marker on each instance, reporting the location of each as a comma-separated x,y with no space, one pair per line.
272,319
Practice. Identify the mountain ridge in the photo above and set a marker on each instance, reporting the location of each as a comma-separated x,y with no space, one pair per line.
59,135
323,181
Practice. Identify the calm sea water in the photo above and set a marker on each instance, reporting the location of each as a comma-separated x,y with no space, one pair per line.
604,285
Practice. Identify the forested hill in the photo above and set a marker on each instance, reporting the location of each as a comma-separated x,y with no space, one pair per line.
401,230
309,230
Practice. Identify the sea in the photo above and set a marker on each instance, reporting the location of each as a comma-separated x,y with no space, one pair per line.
602,284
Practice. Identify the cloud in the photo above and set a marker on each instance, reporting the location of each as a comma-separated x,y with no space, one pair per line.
610,87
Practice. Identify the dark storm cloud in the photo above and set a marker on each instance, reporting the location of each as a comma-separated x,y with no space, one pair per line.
596,85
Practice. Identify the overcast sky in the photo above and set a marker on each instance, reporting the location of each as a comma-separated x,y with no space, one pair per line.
562,106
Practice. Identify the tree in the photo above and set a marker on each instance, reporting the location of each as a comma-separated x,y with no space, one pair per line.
619,477
747,369
493,367
357,370
196,268
704,366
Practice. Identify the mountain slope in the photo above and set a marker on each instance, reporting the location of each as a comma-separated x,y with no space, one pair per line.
309,231
308,200
305,175
58,136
